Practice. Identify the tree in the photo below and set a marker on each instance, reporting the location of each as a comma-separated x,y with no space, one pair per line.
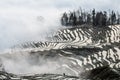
88,18
74,19
113,18
118,18
93,16
118,21
97,18
104,20
64,19
71,19
80,20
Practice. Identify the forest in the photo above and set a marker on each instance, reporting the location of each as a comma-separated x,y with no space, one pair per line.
93,17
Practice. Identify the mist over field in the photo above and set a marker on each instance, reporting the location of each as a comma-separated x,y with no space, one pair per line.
29,25
32,20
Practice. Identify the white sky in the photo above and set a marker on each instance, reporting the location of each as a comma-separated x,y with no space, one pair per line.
21,21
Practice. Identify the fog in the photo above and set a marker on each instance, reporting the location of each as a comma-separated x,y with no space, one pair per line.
31,20
26,63
18,27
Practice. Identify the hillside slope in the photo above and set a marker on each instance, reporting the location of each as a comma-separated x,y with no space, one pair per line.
71,51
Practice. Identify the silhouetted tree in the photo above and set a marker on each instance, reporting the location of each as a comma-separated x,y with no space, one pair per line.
104,20
77,17
99,19
88,18
108,21
93,16
71,19
74,19
113,18
64,19
118,19
80,20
